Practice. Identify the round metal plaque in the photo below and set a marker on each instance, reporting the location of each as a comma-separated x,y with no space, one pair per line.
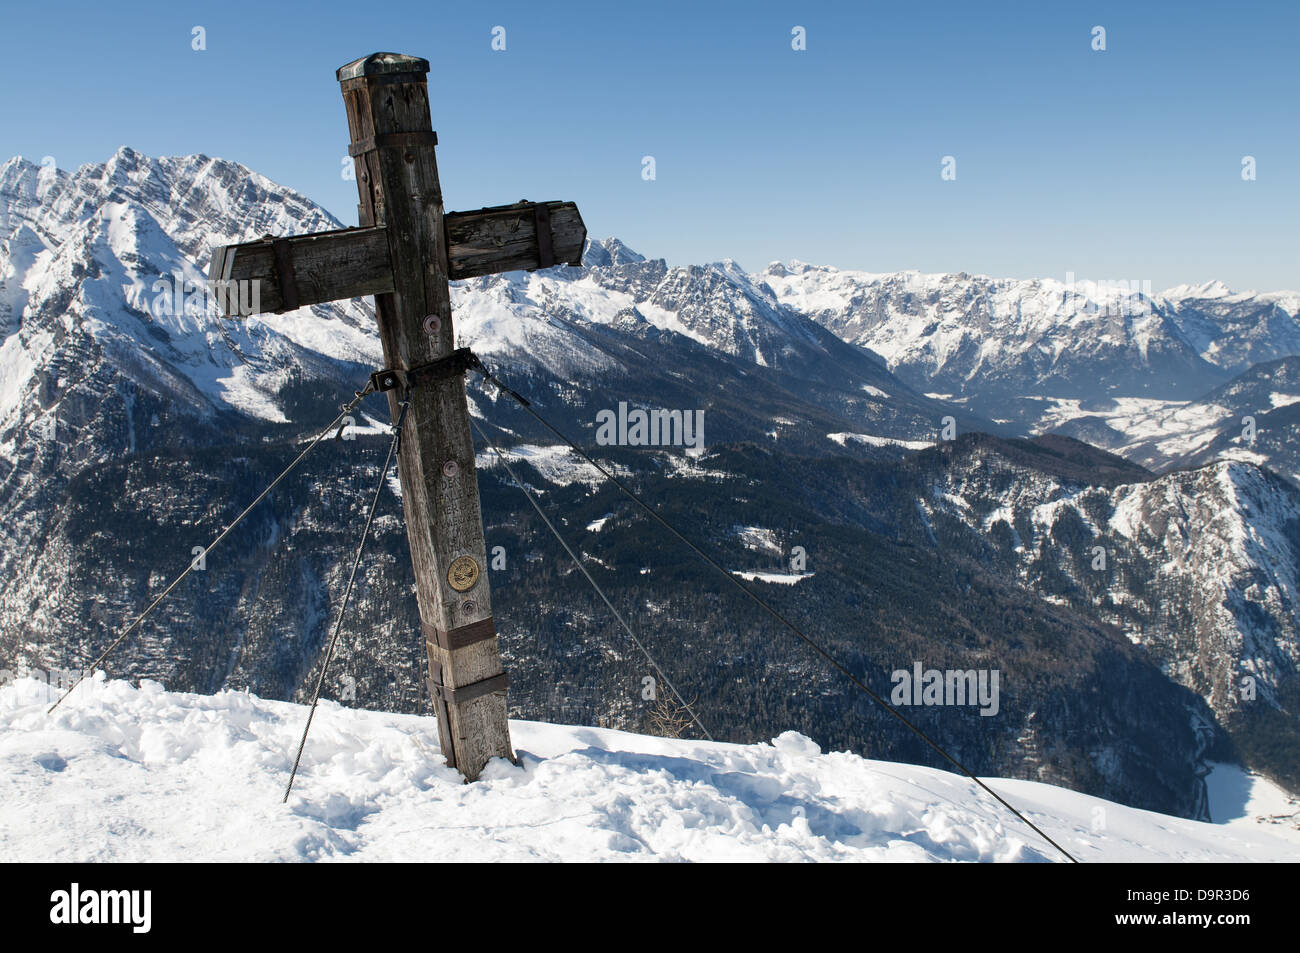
463,573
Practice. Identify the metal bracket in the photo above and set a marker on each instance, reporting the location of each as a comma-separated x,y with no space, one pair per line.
545,237
467,693
383,79
285,275
460,637
457,362
392,140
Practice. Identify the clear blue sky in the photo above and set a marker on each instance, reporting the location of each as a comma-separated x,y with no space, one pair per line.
1123,164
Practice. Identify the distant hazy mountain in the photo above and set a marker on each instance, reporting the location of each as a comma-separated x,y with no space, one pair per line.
1032,351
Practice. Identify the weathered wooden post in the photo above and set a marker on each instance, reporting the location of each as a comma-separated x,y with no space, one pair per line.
387,102
404,252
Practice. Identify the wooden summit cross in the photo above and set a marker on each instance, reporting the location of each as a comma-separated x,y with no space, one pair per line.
404,252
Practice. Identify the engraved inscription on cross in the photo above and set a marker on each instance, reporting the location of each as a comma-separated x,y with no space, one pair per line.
404,252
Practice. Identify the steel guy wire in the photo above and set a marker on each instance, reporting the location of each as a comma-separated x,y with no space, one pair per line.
347,592
822,652
347,408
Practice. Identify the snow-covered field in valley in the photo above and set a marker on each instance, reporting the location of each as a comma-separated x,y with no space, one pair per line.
120,773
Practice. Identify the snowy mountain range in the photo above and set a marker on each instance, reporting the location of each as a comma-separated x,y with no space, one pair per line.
130,429
1120,366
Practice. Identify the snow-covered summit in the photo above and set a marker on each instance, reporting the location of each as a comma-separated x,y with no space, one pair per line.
108,262
141,774
608,251
1206,289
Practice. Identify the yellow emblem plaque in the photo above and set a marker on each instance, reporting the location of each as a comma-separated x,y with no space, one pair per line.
463,573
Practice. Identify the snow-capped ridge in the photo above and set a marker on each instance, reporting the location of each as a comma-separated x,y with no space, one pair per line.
1207,289
605,252
994,340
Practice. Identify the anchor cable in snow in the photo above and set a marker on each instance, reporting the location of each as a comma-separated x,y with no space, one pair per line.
347,408
600,592
347,592
478,366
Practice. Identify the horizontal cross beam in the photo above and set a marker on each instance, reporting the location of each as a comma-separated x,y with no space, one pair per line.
303,270
520,237
348,263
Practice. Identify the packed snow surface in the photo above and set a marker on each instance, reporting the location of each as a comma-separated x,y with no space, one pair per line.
119,773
